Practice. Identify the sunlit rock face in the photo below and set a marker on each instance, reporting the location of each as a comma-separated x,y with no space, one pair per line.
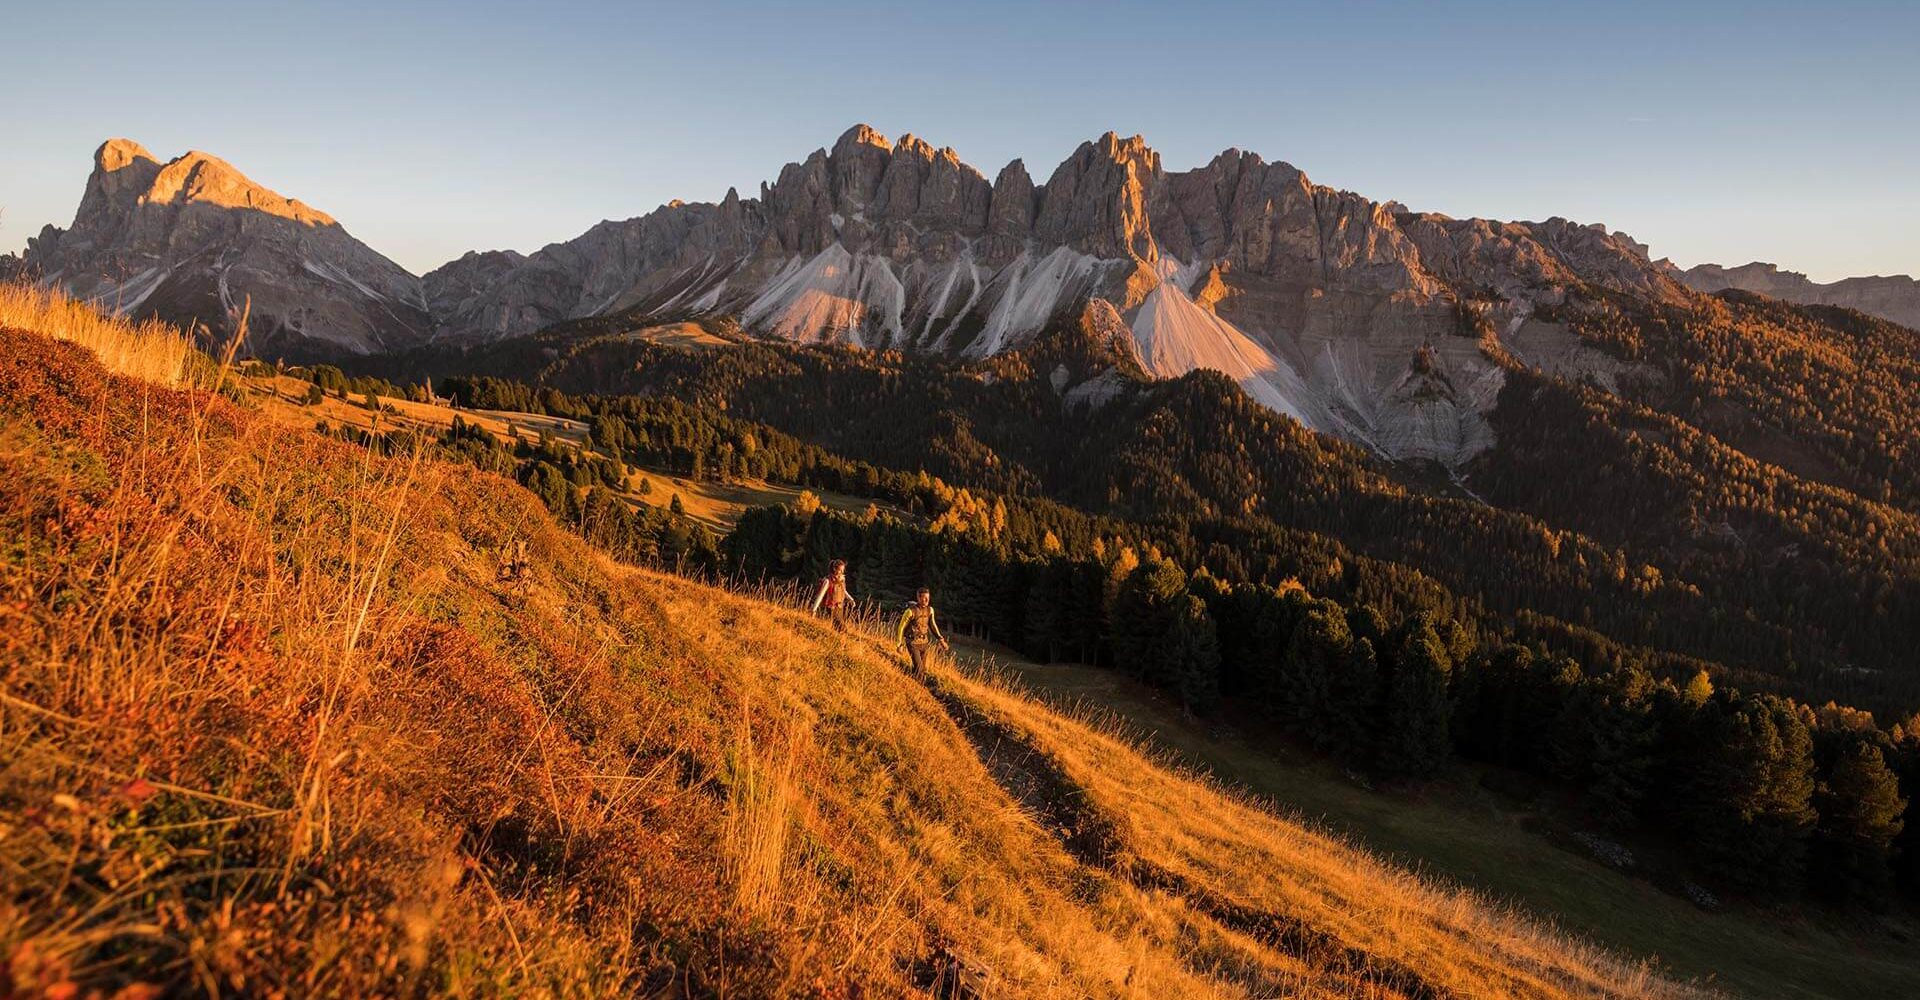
1337,310
193,241
1894,297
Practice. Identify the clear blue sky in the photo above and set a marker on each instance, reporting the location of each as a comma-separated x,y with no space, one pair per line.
1724,132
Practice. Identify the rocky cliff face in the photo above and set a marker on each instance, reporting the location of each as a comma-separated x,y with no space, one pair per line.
1895,298
1324,304
192,240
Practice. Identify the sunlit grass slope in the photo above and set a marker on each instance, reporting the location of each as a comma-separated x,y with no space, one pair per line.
148,350
1459,828
272,723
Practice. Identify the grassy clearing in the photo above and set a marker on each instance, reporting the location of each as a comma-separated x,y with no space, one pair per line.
719,505
688,335
1460,831
716,505
394,412
271,724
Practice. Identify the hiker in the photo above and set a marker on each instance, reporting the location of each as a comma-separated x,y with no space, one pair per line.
918,629
833,596
513,562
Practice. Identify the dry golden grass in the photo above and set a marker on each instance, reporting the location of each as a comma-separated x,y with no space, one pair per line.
689,335
148,350
1237,855
271,725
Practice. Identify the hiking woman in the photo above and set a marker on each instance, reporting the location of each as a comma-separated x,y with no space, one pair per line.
833,596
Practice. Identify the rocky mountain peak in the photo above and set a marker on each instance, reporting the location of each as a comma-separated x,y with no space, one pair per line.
193,239
123,171
206,179
1013,201
119,154
1097,199
861,134
913,145
1131,149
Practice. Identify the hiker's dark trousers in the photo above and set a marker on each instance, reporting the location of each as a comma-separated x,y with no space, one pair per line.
917,652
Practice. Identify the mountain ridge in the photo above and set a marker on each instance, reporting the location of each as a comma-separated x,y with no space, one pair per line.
1894,297
1320,302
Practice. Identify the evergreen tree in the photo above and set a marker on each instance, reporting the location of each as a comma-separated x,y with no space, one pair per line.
1049,603
1086,621
1318,648
1118,567
1746,791
755,548
1488,691
1413,731
608,433
1142,615
1188,660
1624,745
1906,761
1350,725
1857,797
550,484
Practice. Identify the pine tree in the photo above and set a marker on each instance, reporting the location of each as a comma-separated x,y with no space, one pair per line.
1318,647
756,547
1417,701
1905,761
1143,609
1624,746
1188,660
1861,815
1049,601
1746,789
1086,620
1488,688
1350,726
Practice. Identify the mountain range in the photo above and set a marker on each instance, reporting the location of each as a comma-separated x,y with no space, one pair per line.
1391,328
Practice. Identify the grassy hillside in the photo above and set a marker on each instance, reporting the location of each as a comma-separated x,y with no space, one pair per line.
271,722
1458,829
